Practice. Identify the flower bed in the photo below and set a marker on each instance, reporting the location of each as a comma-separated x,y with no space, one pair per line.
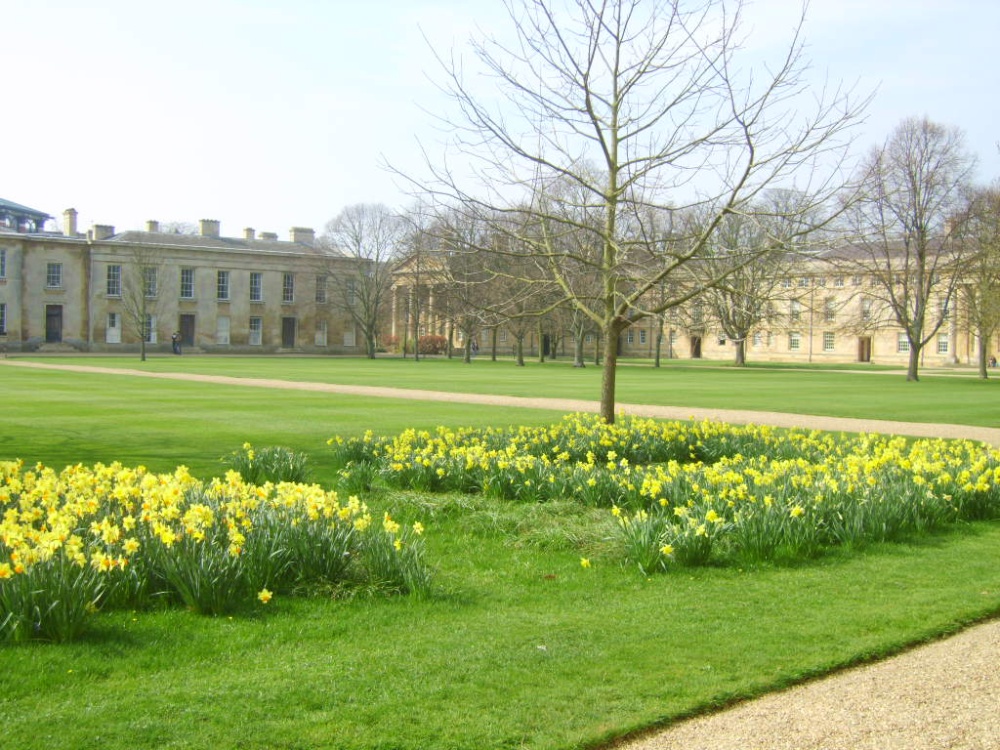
112,536
694,493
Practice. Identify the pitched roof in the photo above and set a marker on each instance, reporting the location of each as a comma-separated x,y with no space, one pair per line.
160,239
16,208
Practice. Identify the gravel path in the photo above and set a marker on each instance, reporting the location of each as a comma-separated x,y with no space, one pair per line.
945,695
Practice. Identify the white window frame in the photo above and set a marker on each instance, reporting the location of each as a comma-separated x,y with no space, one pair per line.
222,286
321,333
149,329
149,279
943,343
256,331
321,284
902,343
794,341
350,339
287,288
187,283
256,286
53,276
829,341
113,286
3,263
642,335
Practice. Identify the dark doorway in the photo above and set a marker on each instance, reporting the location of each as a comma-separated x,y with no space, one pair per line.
288,333
865,349
53,324
696,347
187,330
546,345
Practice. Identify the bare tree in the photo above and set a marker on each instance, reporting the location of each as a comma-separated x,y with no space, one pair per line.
371,236
142,300
979,292
745,293
904,224
646,107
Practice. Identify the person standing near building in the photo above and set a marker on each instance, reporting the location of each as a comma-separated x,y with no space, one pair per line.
175,341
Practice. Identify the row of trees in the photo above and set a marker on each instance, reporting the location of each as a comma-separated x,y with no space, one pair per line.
630,157
617,160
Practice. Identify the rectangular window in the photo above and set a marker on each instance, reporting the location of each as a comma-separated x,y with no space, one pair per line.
803,282
866,310
149,329
256,329
114,285
222,286
256,286
786,283
288,288
222,330
821,281
902,343
349,338
187,283
3,318
642,336
794,341
630,336
758,338
503,336
321,333
3,263
829,342
794,311
53,276
855,281
589,338
829,311
321,290
149,282
942,343
838,281
351,293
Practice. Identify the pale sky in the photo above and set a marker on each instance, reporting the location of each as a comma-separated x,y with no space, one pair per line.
273,114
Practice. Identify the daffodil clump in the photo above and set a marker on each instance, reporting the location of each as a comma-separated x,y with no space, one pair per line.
691,493
74,541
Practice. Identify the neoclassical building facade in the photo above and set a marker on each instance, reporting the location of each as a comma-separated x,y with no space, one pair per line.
108,291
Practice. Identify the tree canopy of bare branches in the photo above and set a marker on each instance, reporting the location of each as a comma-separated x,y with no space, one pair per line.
605,120
371,236
906,226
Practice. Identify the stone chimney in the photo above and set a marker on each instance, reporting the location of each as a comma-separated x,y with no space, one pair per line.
302,234
152,226
249,233
69,222
268,235
101,232
208,228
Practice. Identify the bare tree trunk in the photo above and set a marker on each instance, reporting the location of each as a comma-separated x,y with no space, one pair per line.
982,346
913,368
493,345
741,353
608,377
578,349
519,348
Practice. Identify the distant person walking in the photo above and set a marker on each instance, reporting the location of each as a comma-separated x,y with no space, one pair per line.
175,342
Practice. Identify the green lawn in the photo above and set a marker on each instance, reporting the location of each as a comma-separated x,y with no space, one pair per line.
953,397
519,645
